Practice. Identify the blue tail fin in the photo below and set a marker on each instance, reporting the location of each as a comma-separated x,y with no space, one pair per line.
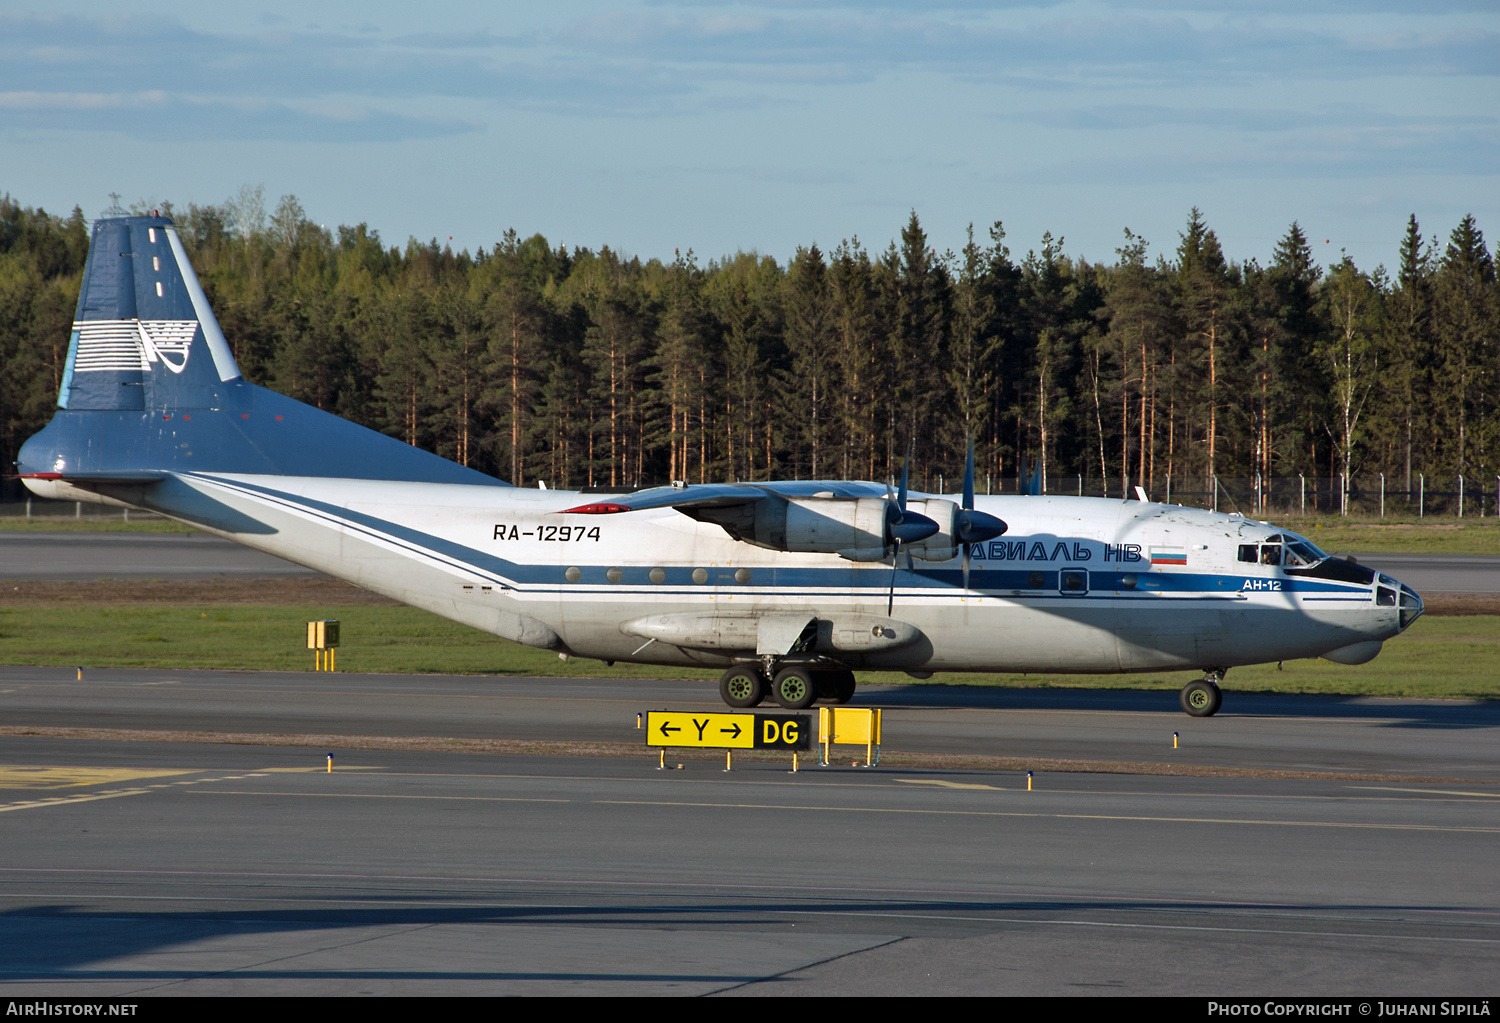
151,387
144,336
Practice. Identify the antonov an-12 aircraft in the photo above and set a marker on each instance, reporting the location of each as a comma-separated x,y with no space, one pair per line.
790,587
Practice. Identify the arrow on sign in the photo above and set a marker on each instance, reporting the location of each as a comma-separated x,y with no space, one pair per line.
714,731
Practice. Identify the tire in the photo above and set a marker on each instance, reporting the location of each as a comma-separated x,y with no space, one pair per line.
1201,699
794,689
843,686
742,686
836,685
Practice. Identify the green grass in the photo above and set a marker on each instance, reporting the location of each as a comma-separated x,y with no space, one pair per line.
1428,536
89,524
1437,657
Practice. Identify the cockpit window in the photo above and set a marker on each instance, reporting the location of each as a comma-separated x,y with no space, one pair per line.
1300,554
1247,553
1270,554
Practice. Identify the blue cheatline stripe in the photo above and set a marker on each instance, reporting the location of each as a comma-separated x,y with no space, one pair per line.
411,540
809,582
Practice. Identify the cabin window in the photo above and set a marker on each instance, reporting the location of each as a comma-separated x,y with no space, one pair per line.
1073,580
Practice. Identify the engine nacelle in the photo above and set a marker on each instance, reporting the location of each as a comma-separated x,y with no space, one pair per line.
940,546
852,529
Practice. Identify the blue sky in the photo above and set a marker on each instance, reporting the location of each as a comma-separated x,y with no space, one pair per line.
766,125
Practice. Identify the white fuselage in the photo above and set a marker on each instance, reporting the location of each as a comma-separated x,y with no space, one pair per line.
1075,585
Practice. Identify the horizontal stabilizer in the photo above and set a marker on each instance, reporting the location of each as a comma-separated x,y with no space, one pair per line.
117,476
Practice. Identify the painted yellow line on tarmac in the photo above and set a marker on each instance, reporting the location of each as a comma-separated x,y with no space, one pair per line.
1059,816
1428,792
949,784
378,795
65,800
320,769
20,776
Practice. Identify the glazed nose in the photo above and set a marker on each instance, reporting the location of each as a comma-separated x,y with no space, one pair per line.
1411,606
1390,592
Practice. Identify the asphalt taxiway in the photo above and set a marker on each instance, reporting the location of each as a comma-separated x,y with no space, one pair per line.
79,556
1330,863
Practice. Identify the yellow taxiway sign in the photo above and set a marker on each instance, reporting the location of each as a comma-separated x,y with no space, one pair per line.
729,731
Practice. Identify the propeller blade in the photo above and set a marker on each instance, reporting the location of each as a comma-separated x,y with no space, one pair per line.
890,602
902,526
905,473
969,477
970,526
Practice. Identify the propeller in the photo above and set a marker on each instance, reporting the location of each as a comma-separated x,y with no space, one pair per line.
969,526
903,527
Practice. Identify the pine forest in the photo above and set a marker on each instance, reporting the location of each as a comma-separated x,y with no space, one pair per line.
1197,377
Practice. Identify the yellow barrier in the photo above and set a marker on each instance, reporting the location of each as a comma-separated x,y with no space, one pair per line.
850,726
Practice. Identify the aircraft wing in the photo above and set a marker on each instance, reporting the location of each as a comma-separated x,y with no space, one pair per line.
729,495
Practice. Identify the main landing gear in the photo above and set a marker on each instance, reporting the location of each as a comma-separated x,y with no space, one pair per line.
1202,698
794,688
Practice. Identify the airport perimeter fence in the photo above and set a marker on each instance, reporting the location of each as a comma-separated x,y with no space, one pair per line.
1376,496
40,508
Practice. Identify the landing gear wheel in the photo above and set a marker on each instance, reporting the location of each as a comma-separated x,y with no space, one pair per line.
794,688
842,690
830,682
1201,699
742,686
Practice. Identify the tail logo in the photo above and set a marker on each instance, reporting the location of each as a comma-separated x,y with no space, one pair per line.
161,338
127,345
